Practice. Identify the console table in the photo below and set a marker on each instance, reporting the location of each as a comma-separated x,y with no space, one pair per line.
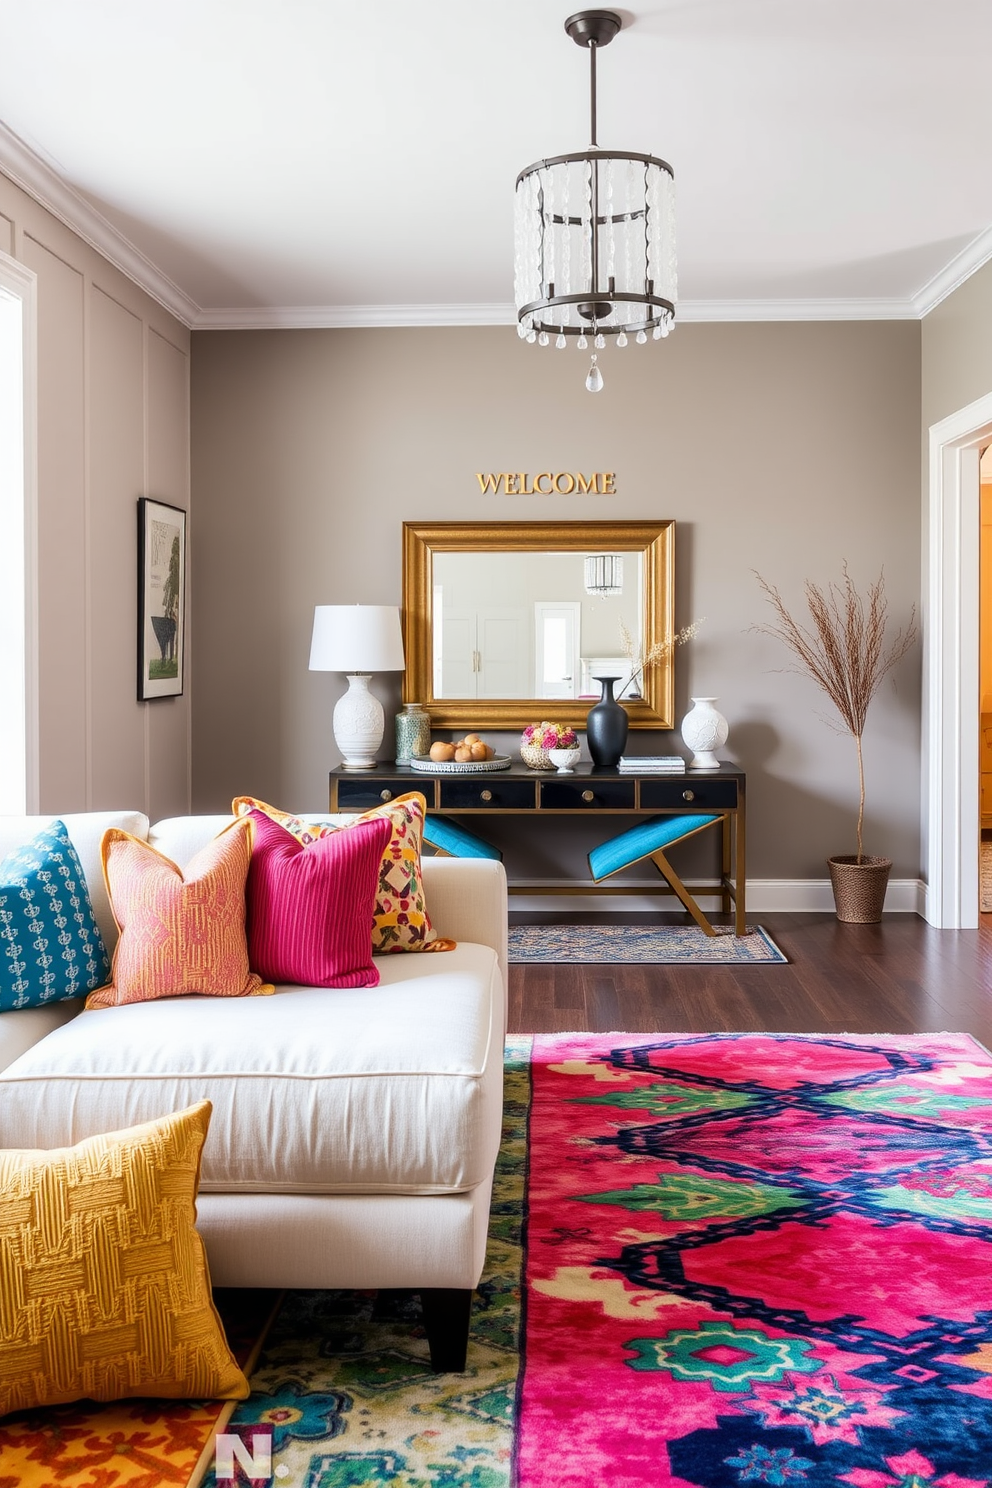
519,791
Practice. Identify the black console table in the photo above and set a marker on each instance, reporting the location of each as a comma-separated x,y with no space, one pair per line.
519,791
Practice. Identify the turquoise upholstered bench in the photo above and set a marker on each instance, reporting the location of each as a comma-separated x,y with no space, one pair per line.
452,841
650,839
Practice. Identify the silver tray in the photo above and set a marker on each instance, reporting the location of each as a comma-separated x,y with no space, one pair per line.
452,767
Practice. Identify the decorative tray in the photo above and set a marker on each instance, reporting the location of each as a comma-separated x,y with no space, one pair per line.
452,767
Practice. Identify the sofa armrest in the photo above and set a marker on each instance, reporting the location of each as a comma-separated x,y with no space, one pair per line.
466,900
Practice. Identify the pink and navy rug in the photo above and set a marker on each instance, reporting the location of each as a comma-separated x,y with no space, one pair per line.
756,1259
714,1262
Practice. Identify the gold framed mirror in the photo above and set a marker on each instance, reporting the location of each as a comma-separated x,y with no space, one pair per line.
506,623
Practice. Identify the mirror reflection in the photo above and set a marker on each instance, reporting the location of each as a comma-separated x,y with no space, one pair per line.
536,625
505,622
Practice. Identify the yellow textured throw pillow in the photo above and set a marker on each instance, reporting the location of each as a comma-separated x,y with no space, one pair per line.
181,933
400,921
104,1288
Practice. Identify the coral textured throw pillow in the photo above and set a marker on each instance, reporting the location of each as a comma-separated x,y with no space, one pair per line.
400,921
310,905
181,933
106,1288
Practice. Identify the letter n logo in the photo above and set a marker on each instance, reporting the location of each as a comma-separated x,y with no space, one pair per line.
243,1455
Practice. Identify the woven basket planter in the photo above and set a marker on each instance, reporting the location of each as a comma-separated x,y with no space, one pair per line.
859,888
535,758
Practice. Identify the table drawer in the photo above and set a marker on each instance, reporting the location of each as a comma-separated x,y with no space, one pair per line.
486,793
587,795
362,795
713,795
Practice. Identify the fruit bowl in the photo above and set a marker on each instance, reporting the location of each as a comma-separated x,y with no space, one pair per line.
455,767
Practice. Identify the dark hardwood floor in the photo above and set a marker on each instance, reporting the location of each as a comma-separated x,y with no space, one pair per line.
901,976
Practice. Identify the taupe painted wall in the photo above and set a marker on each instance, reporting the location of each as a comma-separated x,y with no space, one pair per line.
957,351
784,448
113,425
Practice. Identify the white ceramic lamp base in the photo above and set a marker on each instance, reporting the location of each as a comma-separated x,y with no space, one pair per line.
359,724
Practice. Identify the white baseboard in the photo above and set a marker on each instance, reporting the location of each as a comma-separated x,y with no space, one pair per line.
764,896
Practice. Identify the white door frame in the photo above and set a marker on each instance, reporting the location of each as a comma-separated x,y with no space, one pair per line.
951,805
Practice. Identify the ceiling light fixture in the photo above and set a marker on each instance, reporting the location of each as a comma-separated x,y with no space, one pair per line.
595,235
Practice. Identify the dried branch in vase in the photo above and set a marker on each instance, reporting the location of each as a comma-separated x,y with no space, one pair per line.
640,660
843,651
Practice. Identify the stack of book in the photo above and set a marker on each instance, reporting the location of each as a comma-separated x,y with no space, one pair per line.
652,764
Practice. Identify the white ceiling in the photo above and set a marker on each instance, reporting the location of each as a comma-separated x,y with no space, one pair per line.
324,162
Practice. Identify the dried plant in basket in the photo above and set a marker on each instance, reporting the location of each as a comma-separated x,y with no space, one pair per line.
640,659
843,650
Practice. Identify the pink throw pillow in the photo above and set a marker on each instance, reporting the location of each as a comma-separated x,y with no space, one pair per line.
310,907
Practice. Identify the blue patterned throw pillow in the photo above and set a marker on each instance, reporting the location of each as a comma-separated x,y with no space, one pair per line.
50,945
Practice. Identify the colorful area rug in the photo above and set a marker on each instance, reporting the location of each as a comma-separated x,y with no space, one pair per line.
748,1259
132,1443
657,945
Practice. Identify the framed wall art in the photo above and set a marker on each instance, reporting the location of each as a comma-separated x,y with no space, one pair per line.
161,599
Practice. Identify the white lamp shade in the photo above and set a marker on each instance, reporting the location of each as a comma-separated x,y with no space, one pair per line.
356,638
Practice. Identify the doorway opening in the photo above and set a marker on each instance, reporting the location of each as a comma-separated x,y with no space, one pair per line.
985,681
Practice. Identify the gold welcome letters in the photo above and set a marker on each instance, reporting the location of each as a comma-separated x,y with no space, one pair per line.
548,483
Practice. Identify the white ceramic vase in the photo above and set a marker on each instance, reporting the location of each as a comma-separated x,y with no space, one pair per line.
704,730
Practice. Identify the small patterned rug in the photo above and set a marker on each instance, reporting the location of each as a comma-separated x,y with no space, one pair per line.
657,945
985,878
132,1443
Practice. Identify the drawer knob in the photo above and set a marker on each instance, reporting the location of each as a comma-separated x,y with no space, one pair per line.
688,795
385,795
486,795
588,796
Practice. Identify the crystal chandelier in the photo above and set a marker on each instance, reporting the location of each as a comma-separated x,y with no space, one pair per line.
595,235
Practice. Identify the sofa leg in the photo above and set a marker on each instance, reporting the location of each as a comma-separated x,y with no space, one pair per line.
446,1318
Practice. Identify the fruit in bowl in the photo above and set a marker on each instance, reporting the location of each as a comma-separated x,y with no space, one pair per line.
464,751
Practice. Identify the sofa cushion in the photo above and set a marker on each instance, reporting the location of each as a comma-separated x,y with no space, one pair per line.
180,932
391,1089
106,1291
86,829
50,945
310,906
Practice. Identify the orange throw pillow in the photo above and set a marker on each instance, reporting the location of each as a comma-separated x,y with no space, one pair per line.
181,933
400,921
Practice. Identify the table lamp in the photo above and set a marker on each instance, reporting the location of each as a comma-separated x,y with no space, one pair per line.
357,640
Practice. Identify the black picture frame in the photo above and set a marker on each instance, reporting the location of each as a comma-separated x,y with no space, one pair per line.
161,599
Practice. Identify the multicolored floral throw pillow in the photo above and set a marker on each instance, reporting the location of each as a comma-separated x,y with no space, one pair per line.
400,921
50,945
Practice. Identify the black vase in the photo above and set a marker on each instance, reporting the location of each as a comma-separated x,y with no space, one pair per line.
606,726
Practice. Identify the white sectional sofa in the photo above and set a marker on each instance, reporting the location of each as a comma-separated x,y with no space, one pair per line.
354,1132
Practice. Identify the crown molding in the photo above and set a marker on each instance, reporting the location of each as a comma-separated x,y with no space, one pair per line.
343,317
338,317
808,309
27,169
953,274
